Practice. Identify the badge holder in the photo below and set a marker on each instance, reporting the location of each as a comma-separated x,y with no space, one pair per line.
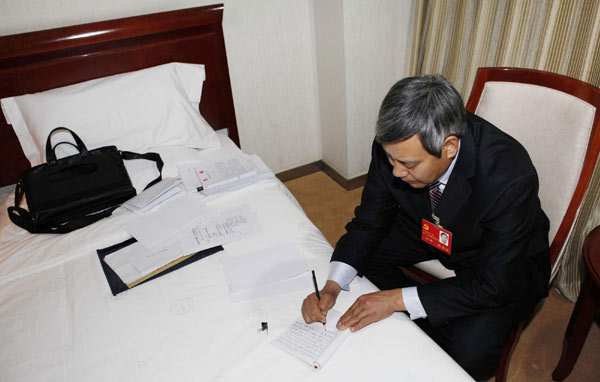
435,235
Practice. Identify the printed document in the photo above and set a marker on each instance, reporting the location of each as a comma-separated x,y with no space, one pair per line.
136,261
210,177
226,227
170,219
312,343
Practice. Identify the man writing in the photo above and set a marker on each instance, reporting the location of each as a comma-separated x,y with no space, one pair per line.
436,169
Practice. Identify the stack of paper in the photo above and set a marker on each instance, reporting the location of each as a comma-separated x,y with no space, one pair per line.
169,219
153,196
211,177
186,233
135,263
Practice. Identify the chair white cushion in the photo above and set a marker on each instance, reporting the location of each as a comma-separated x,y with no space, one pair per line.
435,268
553,126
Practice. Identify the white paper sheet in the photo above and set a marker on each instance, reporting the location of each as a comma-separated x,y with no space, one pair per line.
228,226
119,263
147,261
265,268
293,284
170,219
136,261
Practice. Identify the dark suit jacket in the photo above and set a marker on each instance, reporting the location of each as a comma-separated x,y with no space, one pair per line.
490,204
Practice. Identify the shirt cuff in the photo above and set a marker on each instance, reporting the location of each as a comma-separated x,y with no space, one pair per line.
412,302
342,274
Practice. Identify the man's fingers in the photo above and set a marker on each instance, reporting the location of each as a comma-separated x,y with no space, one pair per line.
308,309
361,324
351,318
315,309
311,310
356,322
305,312
370,308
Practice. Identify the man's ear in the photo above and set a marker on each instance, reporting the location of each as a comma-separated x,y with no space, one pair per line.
450,146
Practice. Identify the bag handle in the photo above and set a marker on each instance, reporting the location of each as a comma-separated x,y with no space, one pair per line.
22,218
126,155
51,154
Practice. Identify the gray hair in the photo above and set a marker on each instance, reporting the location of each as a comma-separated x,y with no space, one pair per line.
428,106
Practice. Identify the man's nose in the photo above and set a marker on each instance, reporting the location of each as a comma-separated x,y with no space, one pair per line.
399,171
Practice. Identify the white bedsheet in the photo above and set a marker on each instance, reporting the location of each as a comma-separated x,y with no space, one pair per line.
60,322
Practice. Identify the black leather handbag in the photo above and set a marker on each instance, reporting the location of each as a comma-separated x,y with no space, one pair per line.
72,192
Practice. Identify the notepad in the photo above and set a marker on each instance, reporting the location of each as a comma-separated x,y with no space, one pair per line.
312,343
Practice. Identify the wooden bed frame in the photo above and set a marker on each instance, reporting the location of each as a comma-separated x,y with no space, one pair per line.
42,60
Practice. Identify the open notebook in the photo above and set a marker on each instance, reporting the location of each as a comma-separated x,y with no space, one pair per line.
313,343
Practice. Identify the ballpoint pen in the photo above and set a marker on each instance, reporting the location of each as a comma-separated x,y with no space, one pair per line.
317,292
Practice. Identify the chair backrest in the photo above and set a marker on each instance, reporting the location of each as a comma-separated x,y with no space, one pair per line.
556,119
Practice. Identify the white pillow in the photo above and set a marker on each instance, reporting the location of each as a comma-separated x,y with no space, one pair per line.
134,111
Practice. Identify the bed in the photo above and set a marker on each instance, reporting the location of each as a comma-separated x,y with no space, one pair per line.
59,320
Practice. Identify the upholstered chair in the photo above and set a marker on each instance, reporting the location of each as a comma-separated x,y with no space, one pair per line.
556,119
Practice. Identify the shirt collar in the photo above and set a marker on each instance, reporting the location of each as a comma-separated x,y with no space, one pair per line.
446,175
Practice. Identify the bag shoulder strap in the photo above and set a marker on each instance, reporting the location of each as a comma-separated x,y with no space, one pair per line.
22,218
128,155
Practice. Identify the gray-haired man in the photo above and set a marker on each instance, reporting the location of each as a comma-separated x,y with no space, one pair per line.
438,171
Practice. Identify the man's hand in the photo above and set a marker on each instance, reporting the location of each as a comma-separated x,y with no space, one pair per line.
370,308
313,309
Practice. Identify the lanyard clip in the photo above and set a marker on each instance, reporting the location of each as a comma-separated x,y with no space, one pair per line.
436,220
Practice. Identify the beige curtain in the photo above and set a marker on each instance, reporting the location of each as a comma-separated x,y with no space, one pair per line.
455,37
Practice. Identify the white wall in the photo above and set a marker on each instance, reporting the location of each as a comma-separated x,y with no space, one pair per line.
331,75
362,50
270,49
377,36
273,56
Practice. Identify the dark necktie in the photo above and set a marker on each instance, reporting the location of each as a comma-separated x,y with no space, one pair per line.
435,194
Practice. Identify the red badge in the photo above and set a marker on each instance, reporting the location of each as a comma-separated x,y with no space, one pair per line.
436,236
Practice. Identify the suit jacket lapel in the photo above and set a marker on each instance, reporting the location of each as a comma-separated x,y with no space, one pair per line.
459,188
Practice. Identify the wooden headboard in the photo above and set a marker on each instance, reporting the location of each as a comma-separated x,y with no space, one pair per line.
38,61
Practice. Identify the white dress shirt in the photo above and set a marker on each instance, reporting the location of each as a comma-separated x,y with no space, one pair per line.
343,274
